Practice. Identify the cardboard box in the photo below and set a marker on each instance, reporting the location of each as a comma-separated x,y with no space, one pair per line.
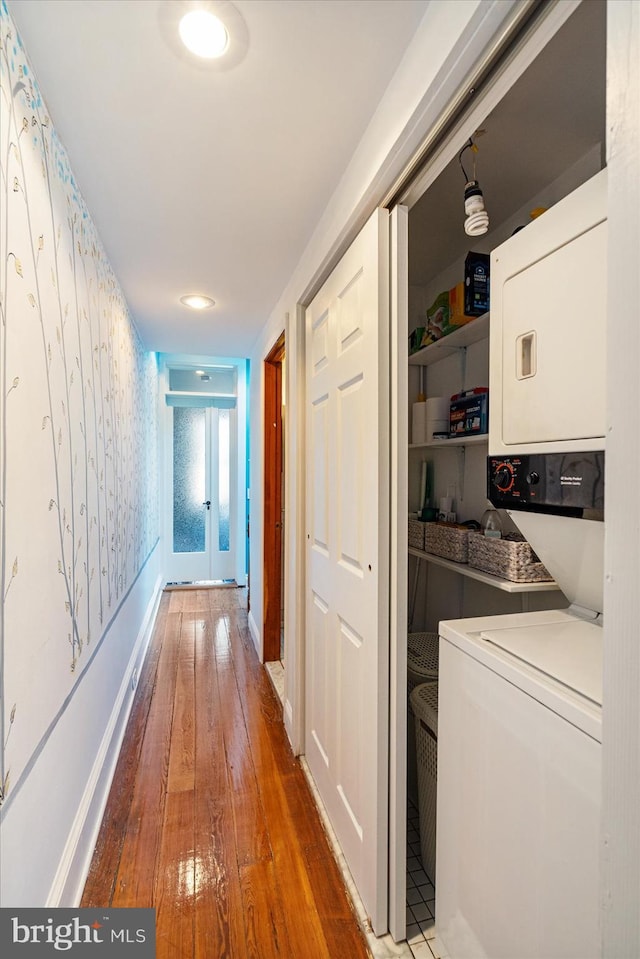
469,412
457,317
476,283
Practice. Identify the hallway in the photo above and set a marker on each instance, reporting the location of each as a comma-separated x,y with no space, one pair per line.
210,818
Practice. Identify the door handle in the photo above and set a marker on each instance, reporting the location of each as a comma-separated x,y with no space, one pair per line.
207,503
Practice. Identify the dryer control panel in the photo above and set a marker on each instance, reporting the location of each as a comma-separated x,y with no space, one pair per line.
564,483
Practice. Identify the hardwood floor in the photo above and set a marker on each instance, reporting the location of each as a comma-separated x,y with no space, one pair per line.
210,818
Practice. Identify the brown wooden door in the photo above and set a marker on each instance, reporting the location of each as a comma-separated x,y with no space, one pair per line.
273,501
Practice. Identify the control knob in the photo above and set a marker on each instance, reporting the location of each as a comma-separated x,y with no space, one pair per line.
503,478
533,478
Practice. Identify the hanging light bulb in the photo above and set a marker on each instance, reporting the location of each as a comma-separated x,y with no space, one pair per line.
477,221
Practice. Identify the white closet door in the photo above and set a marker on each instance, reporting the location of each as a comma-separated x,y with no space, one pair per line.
347,595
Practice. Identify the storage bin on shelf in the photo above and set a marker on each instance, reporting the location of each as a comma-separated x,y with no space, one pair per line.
424,702
416,534
449,540
510,557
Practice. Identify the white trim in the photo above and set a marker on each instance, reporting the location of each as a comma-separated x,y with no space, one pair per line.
398,574
73,868
288,717
620,872
295,531
255,634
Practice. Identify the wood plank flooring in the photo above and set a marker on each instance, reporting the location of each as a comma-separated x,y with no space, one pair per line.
210,818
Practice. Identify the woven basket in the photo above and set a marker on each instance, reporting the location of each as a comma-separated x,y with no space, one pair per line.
416,534
509,558
424,702
448,540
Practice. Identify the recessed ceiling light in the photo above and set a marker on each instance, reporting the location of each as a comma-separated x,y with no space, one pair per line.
197,302
204,34
208,35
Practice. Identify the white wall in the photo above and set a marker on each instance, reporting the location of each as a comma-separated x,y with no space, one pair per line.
50,824
79,572
620,877
450,38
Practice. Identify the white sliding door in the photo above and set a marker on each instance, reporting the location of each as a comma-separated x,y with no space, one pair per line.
347,594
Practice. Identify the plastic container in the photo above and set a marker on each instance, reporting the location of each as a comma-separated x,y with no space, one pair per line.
491,524
422,659
424,703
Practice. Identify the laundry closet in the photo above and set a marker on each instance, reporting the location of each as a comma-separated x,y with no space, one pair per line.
541,142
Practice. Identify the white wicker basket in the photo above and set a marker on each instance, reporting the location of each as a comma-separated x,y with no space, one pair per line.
448,540
510,558
424,702
416,534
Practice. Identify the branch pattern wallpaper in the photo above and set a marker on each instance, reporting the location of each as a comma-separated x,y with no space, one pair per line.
78,461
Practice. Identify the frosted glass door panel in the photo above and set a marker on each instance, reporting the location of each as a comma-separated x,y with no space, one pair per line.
189,480
224,477
203,499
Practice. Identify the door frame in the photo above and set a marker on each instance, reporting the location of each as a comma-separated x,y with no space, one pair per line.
273,501
239,491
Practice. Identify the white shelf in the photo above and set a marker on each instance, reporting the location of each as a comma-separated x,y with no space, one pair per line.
472,332
504,584
455,443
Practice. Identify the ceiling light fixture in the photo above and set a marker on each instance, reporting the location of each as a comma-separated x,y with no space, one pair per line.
477,221
204,34
195,301
208,35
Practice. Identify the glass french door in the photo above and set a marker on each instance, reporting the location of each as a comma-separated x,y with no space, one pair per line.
203,457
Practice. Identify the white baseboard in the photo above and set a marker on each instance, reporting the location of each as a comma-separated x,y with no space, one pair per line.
288,725
71,875
255,634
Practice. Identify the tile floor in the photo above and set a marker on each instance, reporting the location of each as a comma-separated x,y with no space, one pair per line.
422,942
421,931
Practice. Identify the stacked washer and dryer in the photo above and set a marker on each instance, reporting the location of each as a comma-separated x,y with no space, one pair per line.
520,697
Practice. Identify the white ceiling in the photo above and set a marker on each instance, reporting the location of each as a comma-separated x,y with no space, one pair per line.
210,180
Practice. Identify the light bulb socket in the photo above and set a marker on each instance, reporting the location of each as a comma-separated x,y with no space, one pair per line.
473,197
